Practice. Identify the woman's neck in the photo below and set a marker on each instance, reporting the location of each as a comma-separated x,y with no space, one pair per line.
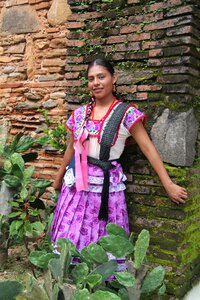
105,102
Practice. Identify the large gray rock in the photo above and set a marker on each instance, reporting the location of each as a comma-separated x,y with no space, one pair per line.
21,19
174,136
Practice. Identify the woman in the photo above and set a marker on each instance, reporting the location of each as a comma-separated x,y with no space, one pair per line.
78,215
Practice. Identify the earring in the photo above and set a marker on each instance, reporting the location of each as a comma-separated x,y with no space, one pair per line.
114,88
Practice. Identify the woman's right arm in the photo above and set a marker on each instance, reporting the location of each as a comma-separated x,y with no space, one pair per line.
69,152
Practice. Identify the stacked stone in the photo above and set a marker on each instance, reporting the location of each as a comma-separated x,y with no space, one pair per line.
32,68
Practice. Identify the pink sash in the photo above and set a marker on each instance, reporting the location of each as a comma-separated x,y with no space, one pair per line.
81,167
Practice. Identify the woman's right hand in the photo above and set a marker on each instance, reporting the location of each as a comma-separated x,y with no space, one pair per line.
57,185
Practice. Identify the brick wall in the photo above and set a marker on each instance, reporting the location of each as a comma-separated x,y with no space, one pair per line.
155,50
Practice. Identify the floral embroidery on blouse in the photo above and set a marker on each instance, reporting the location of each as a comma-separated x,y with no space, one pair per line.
96,128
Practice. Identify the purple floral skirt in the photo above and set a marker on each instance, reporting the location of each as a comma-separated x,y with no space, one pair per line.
76,214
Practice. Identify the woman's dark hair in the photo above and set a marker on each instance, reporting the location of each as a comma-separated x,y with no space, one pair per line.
97,62
101,62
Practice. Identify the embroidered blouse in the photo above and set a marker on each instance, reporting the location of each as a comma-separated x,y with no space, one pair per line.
96,127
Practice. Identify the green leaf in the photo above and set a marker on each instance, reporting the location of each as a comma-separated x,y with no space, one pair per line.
162,289
41,183
16,139
80,272
24,144
93,280
81,295
40,258
17,171
16,159
55,292
55,268
28,173
123,294
61,242
115,229
24,193
38,226
12,181
153,280
125,278
141,247
97,253
14,214
10,289
106,269
102,295
7,165
117,245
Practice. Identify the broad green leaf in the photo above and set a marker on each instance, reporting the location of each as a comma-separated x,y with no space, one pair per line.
55,268
102,295
17,159
125,278
97,253
117,245
41,183
7,165
115,229
141,247
85,257
24,193
16,139
28,172
12,181
24,144
55,292
61,242
14,214
123,294
80,272
93,280
38,226
41,258
17,171
106,269
83,294
153,280
162,289
10,289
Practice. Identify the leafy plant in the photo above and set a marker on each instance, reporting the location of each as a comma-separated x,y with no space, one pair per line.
55,133
25,221
91,278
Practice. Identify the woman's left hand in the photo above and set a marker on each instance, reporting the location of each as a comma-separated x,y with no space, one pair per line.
176,193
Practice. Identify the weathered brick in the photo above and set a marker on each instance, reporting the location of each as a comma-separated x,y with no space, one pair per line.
129,29
116,39
75,25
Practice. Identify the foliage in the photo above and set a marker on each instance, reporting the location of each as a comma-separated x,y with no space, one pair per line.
10,289
91,278
25,221
55,133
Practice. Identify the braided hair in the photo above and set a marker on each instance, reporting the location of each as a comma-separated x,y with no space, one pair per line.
107,65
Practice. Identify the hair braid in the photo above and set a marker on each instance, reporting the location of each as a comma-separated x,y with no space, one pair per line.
90,108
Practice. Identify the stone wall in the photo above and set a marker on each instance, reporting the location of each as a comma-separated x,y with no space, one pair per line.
155,49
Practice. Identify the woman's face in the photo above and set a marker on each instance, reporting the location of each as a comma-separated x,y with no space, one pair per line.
100,82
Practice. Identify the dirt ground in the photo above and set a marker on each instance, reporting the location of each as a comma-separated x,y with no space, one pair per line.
17,265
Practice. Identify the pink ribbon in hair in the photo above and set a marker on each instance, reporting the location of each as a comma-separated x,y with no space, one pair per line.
81,167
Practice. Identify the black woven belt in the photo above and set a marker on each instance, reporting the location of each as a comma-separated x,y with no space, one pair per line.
105,166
